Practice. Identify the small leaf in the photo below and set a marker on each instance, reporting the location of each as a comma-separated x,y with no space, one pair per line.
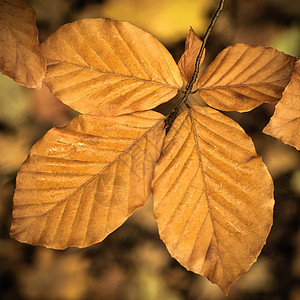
285,123
83,181
242,77
187,61
21,56
108,67
213,196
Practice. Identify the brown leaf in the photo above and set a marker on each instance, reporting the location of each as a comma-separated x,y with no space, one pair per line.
285,123
187,61
242,77
21,56
81,182
109,67
213,196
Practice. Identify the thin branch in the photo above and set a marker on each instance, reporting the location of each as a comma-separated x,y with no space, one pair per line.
189,87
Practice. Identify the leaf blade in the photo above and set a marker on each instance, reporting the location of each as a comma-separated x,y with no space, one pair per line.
108,67
242,77
187,61
285,122
209,190
83,181
21,56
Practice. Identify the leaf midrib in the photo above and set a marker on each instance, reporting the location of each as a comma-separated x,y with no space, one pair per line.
154,82
204,183
241,84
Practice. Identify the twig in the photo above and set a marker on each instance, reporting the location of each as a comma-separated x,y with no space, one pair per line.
190,85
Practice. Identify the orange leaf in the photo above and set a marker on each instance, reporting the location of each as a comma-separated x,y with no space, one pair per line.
81,182
109,67
285,123
21,56
187,61
242,77
213,196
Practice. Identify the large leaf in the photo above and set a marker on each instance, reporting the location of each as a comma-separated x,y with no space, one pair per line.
21,56
213,196
187,61
285,123
108,67
242,77
82,182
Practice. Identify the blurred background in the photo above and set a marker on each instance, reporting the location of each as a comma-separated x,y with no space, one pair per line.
132,263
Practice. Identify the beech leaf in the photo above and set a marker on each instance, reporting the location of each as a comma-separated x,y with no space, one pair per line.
187,61
242,77
81,182
21,56
213,196
107,67
285,123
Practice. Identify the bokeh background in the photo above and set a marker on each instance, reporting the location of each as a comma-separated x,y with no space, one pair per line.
132,263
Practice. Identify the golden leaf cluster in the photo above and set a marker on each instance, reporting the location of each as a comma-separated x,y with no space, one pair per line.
213,195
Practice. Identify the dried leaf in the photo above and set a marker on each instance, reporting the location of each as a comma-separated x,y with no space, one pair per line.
108,67
21,56
83,181
213,196
187,61
285,123
242,77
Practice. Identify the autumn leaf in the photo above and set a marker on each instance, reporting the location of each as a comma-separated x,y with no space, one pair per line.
187,61
242,77
101,66
21,56
213,196
81,182
285,123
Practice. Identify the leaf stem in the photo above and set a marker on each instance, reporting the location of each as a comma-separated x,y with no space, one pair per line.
190,85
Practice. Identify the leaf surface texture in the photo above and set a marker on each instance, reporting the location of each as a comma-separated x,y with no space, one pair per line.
21,56
81,182
213,196
242,77
108,67
285,123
